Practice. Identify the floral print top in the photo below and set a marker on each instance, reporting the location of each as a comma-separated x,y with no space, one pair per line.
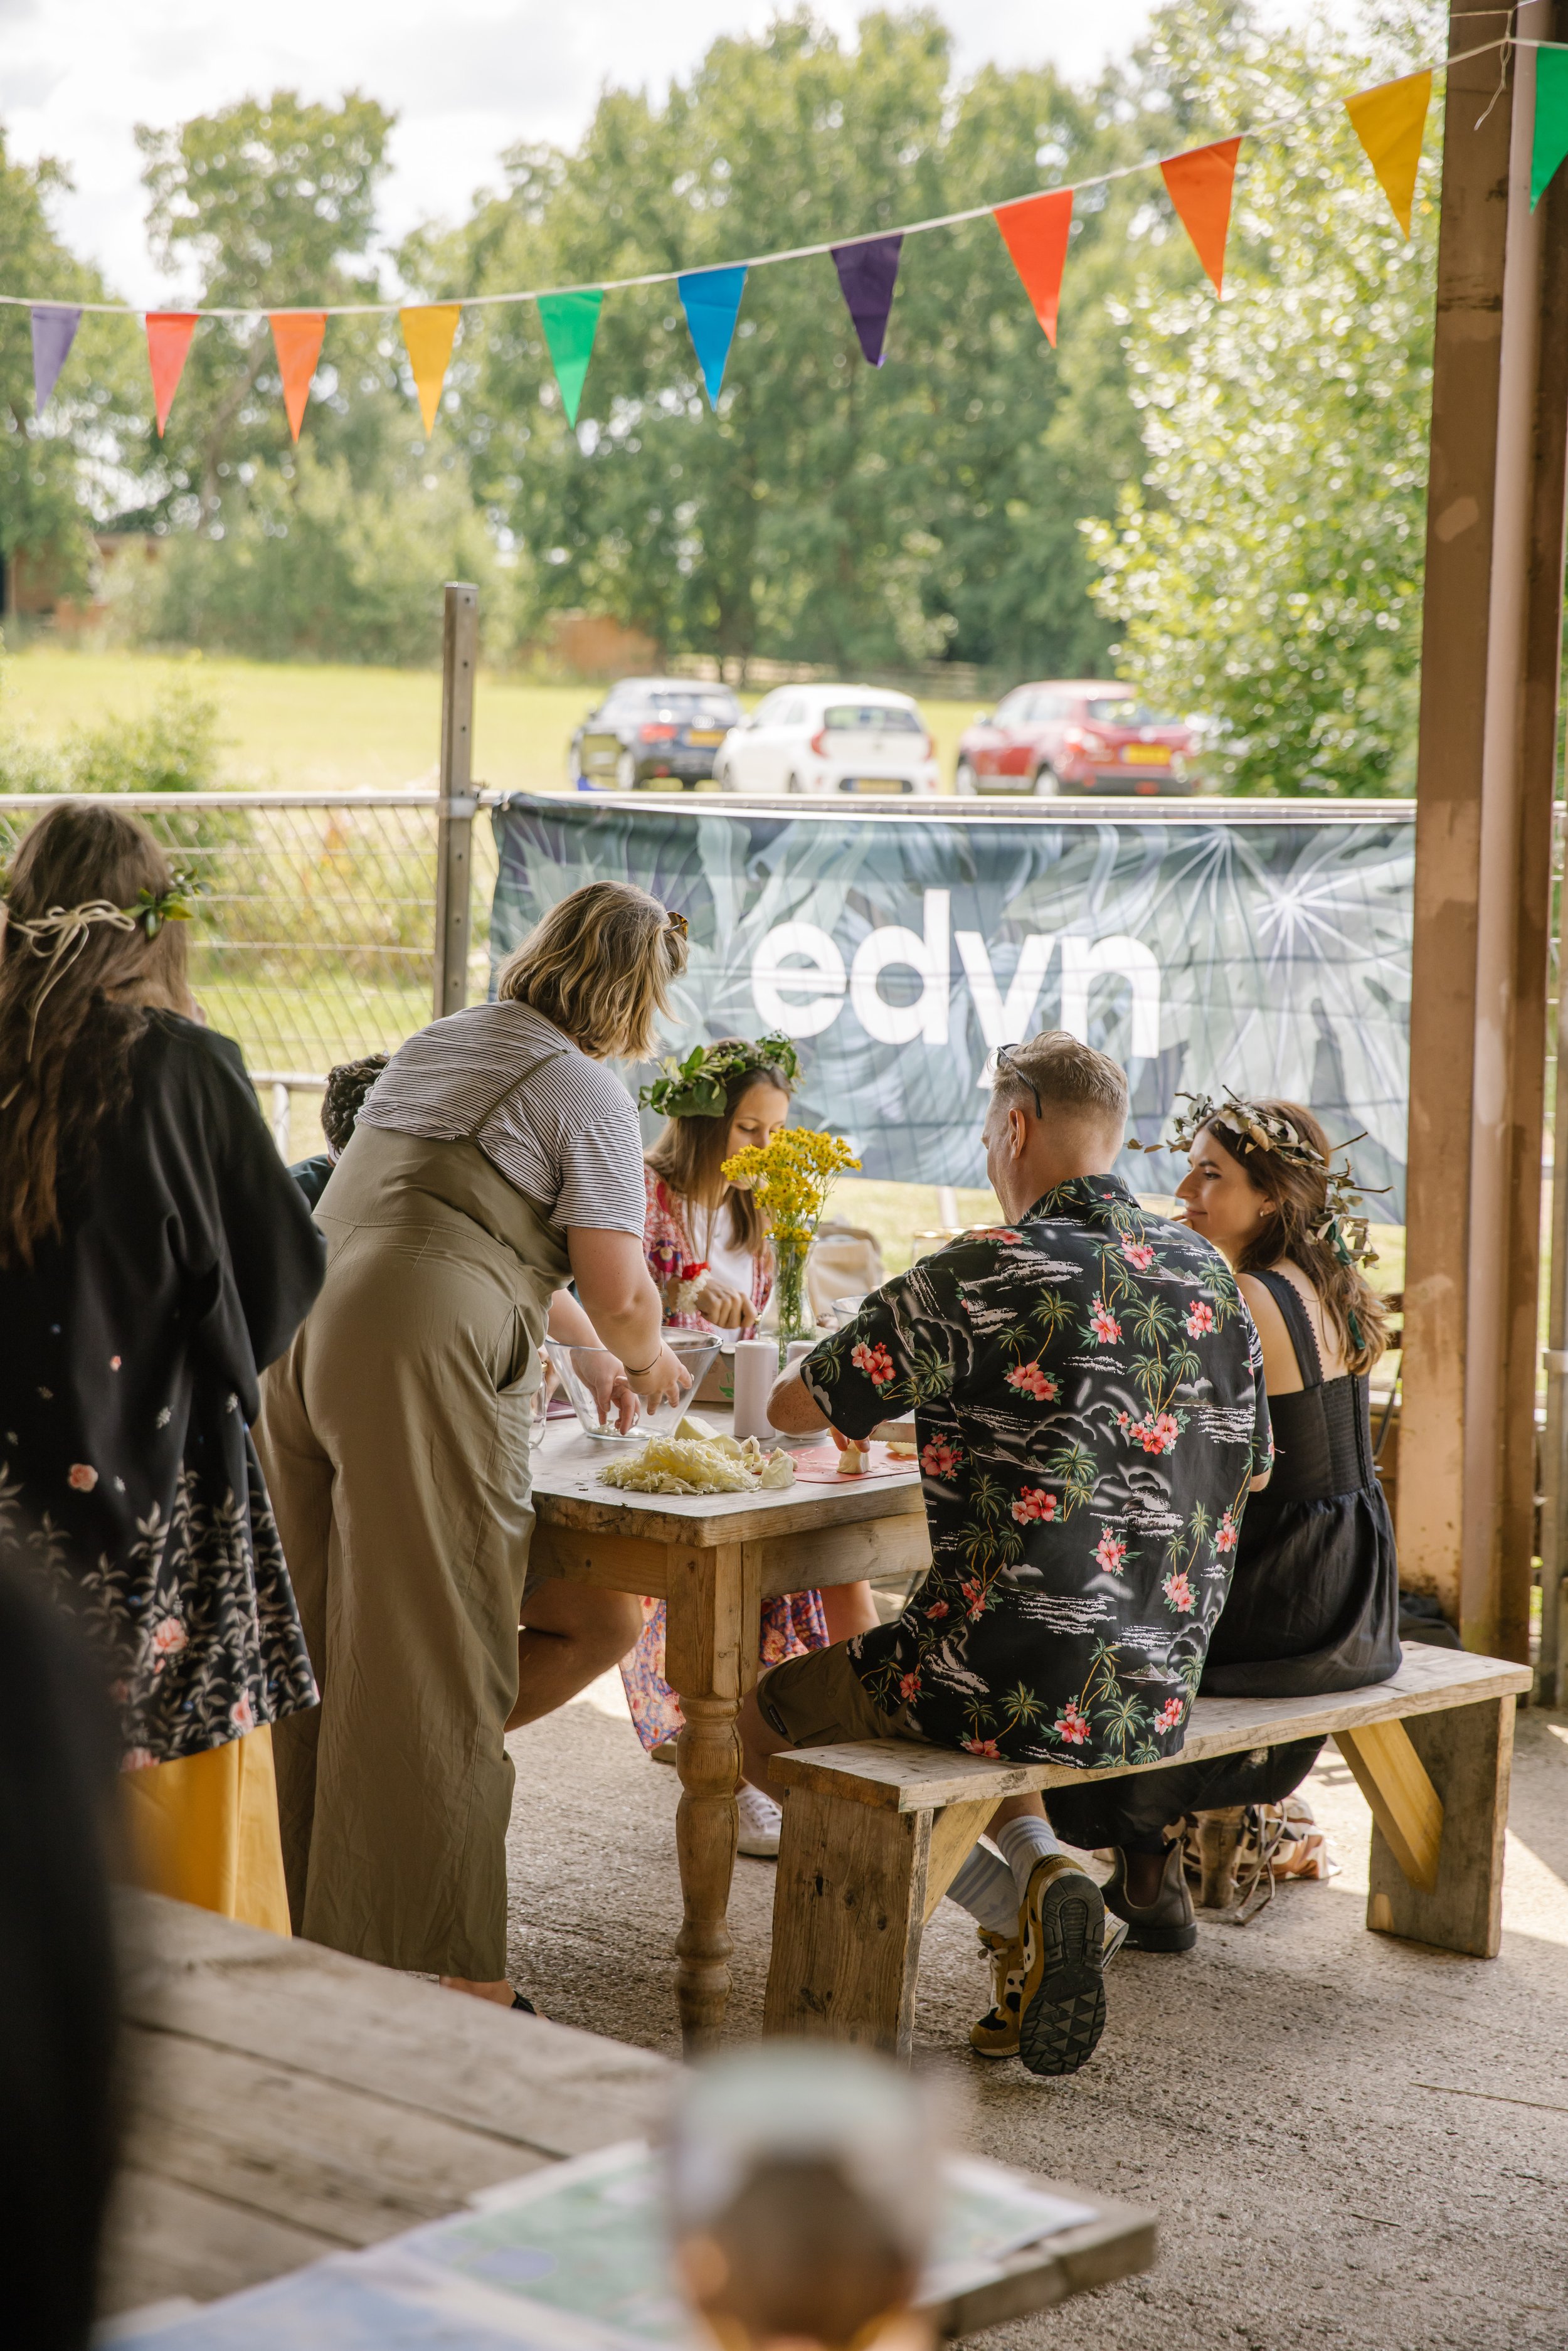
667,1245
1089,1403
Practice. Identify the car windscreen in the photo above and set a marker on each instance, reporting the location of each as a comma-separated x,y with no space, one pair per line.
887,717
1119,712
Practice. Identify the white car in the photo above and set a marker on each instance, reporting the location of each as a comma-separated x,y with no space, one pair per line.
828,738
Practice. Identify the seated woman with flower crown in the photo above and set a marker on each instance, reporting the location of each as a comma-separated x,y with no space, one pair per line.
707,1244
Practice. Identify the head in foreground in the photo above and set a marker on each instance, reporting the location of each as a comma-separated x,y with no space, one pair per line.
347,1086
801,2183
730,1096
599,967
1262,1187
94,940
1057,1110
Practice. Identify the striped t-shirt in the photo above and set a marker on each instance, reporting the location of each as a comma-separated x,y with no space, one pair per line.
565,1136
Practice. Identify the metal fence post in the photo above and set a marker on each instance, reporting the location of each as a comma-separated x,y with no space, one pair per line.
455,819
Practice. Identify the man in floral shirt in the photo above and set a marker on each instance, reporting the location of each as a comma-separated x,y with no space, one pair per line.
1091,1417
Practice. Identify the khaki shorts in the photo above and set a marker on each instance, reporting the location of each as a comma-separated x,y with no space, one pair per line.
820,1701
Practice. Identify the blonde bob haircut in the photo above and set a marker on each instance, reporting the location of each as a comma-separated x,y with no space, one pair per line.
598,967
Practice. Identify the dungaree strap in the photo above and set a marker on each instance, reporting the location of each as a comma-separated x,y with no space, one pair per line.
555,1053
1299,1323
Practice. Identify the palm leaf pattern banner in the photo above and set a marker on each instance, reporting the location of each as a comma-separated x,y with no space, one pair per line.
1219,947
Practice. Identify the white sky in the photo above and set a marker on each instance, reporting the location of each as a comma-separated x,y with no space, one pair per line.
465,76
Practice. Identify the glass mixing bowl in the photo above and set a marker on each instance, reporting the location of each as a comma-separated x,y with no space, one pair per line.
585,1375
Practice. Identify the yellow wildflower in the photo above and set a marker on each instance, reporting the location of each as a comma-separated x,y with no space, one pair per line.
792,1176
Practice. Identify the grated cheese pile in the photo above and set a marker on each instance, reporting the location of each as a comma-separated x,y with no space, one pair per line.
700,1462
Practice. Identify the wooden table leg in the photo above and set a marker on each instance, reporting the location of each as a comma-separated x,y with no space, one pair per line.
710,1659
1467,1750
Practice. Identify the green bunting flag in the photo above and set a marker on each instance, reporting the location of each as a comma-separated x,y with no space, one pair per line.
570,321
1551,142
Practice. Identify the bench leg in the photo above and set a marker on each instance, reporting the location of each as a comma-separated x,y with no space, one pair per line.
848,1910
1467,1752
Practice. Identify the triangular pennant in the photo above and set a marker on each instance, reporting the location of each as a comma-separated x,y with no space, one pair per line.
711,300
1551,141
296,338
169,336
428,333
54,327
1390,122
570,321
1035,231
1201,182
868,273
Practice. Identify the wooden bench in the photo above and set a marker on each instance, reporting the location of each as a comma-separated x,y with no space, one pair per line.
874,1832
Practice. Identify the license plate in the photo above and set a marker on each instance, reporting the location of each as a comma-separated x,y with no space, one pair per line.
706,734
1146,755
876,784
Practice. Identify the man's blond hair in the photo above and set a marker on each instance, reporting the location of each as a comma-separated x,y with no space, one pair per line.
598,967
1071,1078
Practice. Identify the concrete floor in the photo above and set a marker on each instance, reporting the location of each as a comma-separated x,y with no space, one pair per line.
1349,2141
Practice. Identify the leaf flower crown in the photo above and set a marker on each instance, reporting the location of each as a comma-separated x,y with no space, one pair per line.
695,1088
1341,1222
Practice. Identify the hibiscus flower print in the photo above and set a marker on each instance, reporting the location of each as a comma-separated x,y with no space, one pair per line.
874,1362
1103,1324
1226,1533
1200,1319
1140,1255
940,1458
81,1477
983,1746
974,1595
1178,1591
937,1610
909,1687
1110,1551
1030,1380
1033,1503
1159,1434
996,1233
1169,1715
1072,1725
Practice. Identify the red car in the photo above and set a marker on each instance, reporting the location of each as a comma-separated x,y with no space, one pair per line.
1074,735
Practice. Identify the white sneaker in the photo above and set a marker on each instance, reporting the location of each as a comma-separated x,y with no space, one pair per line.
761,1819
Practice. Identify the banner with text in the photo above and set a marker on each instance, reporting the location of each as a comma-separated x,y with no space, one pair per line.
1215,947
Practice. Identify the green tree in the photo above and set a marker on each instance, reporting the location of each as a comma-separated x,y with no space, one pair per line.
1265,568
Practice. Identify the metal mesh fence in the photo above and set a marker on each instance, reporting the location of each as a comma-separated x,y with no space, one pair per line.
314,934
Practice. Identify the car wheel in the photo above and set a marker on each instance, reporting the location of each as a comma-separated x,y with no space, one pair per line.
963,777
626,772
1047,782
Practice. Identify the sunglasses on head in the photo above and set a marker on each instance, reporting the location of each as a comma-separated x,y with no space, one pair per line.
1005,1062
678,923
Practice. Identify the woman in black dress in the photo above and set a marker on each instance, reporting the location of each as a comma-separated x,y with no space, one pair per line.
1314,1603
154,1256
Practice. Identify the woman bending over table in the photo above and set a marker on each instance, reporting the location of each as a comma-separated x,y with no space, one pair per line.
1314,1603
494,1159
707,1247
154,1254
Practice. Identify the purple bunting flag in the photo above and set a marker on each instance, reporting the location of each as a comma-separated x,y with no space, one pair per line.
54,327
867,274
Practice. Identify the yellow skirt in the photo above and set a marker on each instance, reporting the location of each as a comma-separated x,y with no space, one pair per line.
204,1829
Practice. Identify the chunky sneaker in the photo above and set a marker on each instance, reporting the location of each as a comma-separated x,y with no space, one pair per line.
1061,1921
1165,1924
996,2034
761,1821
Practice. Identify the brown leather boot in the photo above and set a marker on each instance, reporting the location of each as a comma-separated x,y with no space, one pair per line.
1165,1924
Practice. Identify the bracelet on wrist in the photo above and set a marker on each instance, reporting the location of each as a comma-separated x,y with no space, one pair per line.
635,1371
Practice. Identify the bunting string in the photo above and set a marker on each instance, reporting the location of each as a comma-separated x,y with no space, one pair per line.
1389,121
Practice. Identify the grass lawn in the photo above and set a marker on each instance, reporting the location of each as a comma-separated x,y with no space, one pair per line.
297,726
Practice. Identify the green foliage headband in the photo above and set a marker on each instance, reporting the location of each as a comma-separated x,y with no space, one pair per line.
698,1086
1249,1130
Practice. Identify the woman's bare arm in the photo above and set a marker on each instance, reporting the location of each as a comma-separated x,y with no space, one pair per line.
618,1298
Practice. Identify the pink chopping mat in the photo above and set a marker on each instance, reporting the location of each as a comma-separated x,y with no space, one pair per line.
818,1465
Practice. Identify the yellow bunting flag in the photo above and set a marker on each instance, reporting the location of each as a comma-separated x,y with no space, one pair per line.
297,336
430,333
1390,122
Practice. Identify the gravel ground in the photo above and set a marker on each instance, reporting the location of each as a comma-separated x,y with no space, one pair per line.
1349,2141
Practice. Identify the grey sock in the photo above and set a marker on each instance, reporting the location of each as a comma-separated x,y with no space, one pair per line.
985,1888
1023,1843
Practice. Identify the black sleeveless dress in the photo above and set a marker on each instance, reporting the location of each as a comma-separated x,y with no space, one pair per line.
1313,1605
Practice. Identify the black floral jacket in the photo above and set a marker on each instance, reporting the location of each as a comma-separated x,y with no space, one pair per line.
1088,1401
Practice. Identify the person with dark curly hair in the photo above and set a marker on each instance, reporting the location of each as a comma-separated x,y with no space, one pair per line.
348,1087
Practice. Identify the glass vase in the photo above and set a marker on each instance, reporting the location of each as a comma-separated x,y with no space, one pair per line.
791,1251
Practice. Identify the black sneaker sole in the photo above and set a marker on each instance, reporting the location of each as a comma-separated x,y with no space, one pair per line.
1061,2022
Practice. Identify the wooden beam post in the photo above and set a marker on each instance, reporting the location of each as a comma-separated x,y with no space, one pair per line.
454,821
1489,655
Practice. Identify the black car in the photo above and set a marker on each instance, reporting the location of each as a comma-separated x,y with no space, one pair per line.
656,732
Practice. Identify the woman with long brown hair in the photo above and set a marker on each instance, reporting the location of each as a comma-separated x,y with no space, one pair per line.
1313,1602
154,1257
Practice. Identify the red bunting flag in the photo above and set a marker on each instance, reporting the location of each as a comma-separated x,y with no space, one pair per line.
1200,185
169,336
1035,231
297,337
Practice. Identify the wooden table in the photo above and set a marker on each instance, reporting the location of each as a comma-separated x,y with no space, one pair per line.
283,2102
713,1559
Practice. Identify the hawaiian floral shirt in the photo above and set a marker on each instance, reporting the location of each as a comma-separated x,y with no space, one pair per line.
1089,1403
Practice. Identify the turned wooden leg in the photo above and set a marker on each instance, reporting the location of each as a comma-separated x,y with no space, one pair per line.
710,1649
1468,1753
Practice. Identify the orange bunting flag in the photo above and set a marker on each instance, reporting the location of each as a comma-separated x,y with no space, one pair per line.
1035,231
429,333
1200,184
297,337
169,336
1391,122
